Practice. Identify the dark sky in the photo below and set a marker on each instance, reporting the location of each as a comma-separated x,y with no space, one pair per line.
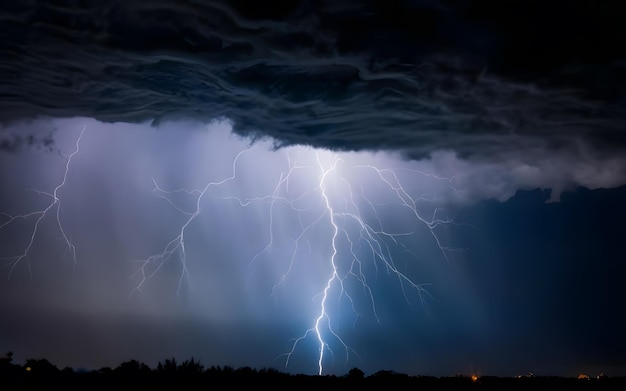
429,187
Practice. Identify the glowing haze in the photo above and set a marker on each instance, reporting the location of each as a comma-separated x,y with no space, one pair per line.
236,231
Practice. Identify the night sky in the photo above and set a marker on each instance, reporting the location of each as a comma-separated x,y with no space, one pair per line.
427,187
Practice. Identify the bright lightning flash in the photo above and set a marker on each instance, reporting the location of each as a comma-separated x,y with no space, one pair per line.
323,188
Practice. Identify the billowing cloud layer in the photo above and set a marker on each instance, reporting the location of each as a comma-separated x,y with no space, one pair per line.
521,84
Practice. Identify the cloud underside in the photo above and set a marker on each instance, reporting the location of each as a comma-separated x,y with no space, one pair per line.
415,79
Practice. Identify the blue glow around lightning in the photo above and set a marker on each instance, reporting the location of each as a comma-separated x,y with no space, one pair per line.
38,215
332,197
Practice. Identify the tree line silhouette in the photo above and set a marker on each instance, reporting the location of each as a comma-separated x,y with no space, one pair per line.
192,373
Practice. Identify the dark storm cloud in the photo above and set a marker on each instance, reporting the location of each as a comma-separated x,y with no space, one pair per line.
485,79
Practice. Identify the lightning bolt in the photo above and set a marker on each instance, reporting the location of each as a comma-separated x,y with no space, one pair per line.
373,239
176,246
39,215
357,234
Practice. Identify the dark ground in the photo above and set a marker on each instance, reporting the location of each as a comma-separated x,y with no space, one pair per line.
192,374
